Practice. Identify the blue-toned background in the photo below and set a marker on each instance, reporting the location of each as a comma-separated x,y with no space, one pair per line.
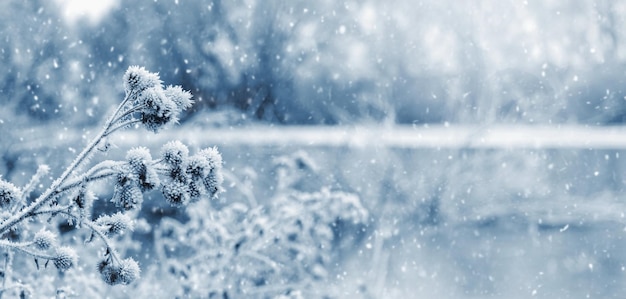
446,221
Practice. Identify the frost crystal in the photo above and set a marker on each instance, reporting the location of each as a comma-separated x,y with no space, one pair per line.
139,162
174,152
198,166
176,193
109,273
204,173
154,106
180,97
137,79
214,178
8,194
85,198
44,239
127,192
128,271
197,169
115,224
138,157
158,109
66,258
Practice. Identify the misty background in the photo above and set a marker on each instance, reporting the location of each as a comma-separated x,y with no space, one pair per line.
447,222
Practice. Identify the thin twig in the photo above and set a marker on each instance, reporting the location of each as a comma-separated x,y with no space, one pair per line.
114,117
130,111
41,171
20,247
93,227
122,126
53,190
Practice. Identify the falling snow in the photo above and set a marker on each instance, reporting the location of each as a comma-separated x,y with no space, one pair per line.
466,149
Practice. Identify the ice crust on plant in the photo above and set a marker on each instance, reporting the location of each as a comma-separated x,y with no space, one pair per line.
65,258
9,194
137,79
212,173
190,177
44,239
174,153
70,197
151,104
115,224
139,164
179,96
125,273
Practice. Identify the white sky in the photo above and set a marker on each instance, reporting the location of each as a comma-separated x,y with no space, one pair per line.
74,10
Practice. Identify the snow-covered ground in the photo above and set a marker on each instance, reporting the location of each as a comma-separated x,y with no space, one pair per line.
459,211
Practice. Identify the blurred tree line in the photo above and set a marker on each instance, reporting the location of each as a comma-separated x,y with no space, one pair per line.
326,62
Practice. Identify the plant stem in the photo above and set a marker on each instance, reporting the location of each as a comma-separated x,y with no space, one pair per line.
130,111
76,183
93,227
41,171
54,190
114,117
123,125
31,253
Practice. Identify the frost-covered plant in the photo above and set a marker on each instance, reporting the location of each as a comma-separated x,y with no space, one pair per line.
181,177
285,248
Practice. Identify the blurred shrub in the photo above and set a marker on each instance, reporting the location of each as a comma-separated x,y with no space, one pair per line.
289,247
330,62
